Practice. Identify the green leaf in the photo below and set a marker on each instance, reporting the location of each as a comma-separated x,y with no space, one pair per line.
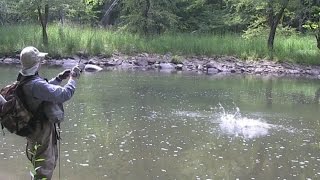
40,160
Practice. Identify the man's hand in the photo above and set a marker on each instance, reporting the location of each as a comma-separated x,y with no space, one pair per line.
64,75
76,72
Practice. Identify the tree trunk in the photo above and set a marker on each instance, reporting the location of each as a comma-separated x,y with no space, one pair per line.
44,21
273,23
318,40
302,18
105,20
61,16
146,16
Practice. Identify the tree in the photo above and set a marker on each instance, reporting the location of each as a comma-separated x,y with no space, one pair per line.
107,9
313,22
260,16
201,15
44,11
43,14
148,16
274,17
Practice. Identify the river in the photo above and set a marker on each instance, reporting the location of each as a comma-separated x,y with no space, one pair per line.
150,125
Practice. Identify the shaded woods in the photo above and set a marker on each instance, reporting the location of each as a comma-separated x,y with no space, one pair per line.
149,19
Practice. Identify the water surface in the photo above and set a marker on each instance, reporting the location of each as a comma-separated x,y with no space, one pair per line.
149,125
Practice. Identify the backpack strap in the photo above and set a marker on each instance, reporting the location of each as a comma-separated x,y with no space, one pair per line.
22,80
38,114
2,127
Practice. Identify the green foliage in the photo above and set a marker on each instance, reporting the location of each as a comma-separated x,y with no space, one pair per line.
34,161
201,16
99,41
176,59
148,16
155,17
313,23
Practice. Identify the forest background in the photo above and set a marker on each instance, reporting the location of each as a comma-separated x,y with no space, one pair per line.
282,30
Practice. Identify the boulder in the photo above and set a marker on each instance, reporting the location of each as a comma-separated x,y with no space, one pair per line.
312,72
179,67
166,66
111,63
259,70
126,65
93,61
141,62
213,71
294,71
92,68
69,63
8,61
151,61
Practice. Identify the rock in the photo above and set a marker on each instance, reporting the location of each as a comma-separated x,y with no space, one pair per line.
111,63
8,61
212,71
126,65
93,61
11,61
179,67
259,70
293,71
165,66
69,63
156,66
199,67
151,61
312,72
211,65
141,62
92,68
200,64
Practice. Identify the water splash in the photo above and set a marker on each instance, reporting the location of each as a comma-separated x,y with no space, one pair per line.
236,125
191,114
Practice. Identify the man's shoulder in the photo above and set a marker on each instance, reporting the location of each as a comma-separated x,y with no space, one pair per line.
37,81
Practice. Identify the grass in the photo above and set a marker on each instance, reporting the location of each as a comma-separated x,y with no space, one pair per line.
68,40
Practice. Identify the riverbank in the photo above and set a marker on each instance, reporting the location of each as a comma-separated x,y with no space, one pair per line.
200,64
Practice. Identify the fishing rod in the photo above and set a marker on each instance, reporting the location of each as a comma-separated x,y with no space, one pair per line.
92,66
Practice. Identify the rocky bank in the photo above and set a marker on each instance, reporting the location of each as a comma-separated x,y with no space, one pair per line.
169,63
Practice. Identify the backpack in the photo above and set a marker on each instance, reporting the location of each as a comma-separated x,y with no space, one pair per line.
14,114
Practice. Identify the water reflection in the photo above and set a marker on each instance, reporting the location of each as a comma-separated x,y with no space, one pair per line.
317,96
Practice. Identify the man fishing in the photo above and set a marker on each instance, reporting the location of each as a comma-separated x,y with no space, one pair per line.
45,99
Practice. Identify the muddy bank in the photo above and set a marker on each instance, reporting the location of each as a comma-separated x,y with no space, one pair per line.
207,65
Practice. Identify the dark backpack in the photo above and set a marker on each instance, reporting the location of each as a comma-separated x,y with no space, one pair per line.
14,114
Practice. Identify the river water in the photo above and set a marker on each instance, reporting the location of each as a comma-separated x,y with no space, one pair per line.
150,125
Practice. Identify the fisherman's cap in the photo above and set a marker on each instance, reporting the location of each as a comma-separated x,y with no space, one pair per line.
30,56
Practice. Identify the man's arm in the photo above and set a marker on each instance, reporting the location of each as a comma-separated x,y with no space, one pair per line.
53,93
55,81
61,76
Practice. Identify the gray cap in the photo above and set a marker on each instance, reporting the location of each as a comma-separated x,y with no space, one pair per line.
30,58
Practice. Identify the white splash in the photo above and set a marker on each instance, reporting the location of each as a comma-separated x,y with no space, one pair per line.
190,114
236,125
